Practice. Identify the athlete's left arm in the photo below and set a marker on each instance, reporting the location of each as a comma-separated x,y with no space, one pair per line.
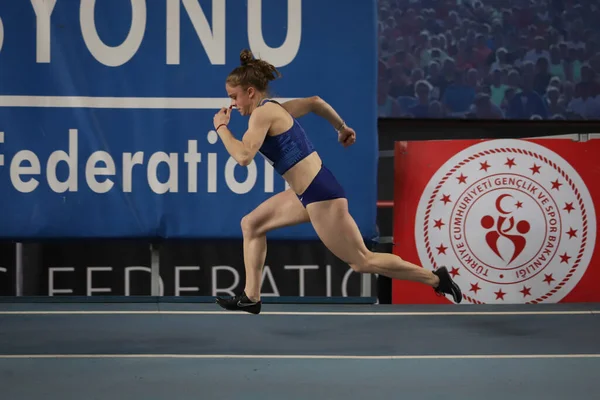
243,151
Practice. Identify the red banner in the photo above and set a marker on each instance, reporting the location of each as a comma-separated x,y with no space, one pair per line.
513,220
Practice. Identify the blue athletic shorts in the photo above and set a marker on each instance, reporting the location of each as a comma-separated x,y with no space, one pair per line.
323,187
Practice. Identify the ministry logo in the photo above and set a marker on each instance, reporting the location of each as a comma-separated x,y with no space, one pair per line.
512,221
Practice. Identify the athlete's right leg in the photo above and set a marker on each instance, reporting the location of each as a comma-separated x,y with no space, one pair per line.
283,209
339,232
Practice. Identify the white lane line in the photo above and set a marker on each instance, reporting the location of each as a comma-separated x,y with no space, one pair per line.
301,357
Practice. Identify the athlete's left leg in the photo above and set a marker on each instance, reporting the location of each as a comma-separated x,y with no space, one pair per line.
338,231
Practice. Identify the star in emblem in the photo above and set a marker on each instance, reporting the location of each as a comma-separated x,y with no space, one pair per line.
446,199
535,169
438,224
565,258
556,185
441,249
569,207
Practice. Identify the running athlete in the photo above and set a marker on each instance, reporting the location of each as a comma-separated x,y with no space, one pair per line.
314,195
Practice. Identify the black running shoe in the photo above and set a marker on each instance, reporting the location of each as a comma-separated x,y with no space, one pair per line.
240,302
447,285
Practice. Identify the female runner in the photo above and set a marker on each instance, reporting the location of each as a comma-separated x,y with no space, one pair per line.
314,196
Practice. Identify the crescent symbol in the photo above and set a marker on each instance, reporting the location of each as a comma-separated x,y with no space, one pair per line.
499,201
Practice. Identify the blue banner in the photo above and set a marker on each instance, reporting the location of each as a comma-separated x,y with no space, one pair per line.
106,112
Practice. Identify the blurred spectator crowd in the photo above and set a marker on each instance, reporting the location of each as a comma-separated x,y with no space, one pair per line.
489,59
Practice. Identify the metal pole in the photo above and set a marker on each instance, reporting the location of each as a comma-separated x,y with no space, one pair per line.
365,282
155,268
19,269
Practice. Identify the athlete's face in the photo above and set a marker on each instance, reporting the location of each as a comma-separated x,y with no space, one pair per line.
244,100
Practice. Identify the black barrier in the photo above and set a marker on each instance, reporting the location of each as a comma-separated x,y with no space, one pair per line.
391,130
83,268
7,269
189,268
292,268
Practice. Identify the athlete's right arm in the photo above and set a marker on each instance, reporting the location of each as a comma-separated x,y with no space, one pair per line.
300,107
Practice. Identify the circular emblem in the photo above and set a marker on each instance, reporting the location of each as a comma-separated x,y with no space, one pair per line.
511,220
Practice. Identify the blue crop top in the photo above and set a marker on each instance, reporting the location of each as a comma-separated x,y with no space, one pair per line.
287,149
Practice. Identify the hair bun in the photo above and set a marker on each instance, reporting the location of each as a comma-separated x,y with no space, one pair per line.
246,57
252,72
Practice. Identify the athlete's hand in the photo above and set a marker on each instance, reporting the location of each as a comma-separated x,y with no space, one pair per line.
222,117
346,136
